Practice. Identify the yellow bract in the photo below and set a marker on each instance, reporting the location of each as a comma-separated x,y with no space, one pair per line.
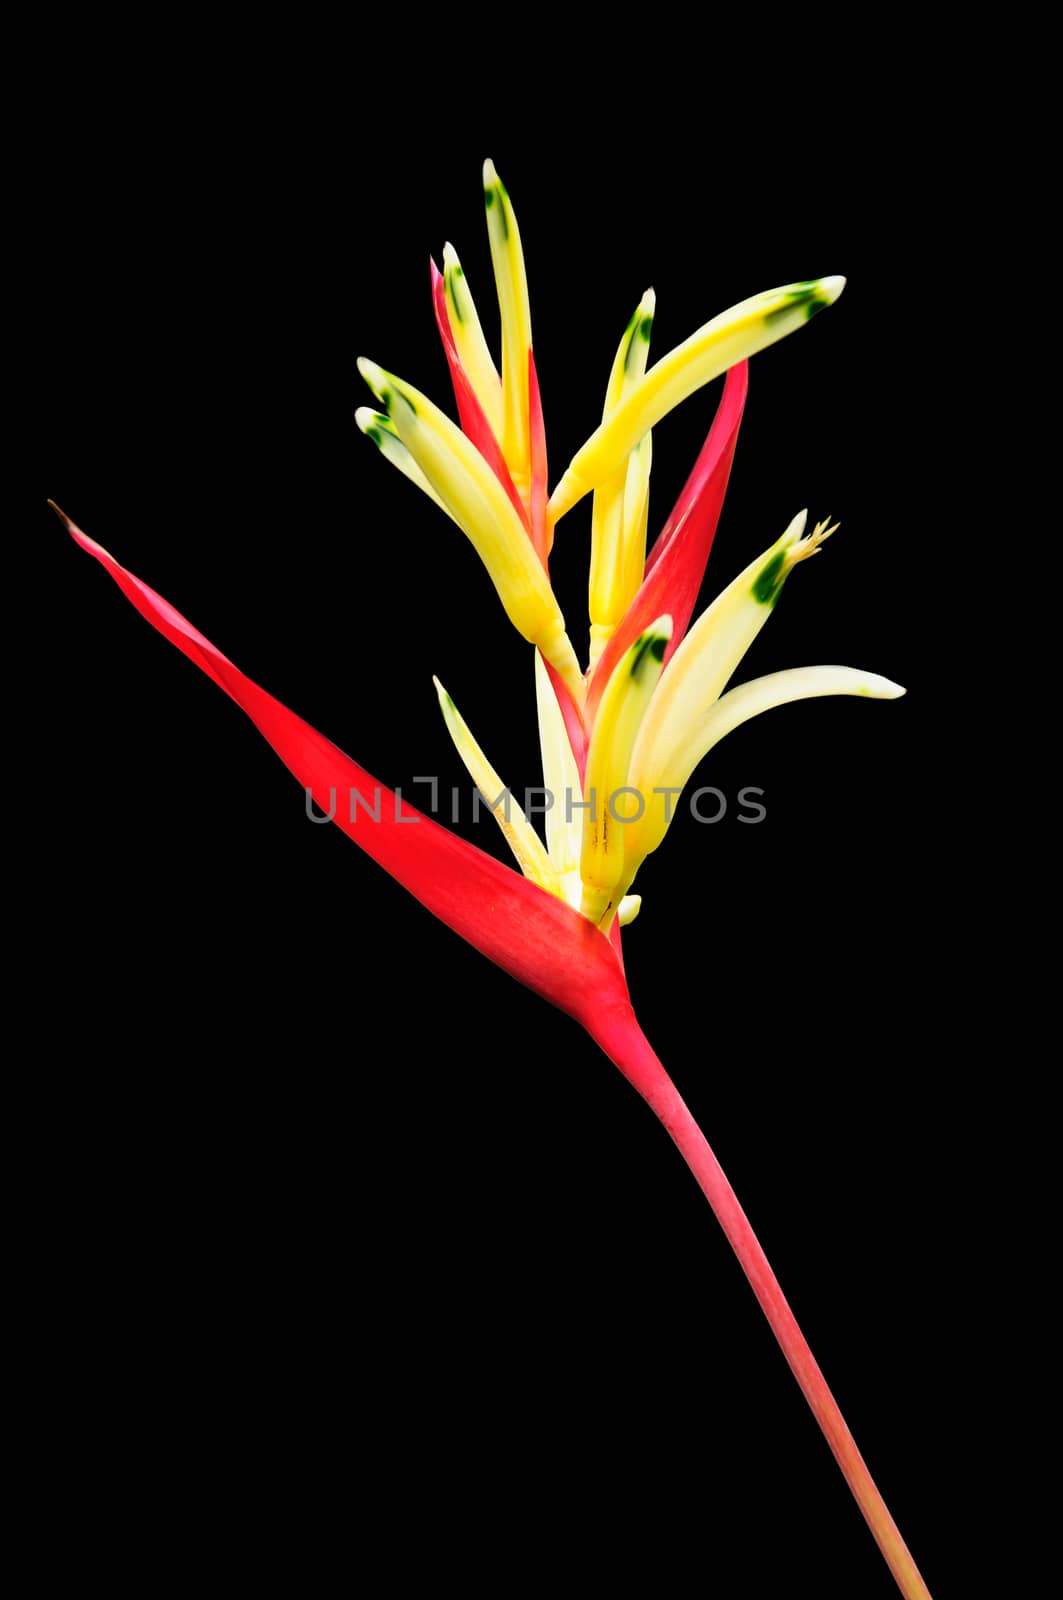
722,717
684,719
512,284
621,503
519,833
378,426
475,498
727,339
564,820
608,816
469,340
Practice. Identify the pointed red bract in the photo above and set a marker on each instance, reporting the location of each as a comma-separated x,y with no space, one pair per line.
471,414
676,564
532,935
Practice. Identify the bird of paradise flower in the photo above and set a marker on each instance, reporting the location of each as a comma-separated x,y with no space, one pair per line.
652,703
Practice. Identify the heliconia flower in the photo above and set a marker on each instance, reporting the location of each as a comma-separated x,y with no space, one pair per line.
618,742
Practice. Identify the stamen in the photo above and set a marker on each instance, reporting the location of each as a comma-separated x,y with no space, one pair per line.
809,545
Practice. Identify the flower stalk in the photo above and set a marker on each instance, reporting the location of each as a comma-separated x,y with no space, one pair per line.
620,1036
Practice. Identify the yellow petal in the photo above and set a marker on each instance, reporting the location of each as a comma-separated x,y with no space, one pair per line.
629,908
608,807
469,338
564,822
511,281
483,510
636,521
729,712
727,339
377,426
699,672
738,706
521,837
620,509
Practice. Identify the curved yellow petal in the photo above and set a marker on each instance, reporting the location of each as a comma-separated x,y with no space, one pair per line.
519,834
483,510
729,712
564,821
702,666
727,339
377,426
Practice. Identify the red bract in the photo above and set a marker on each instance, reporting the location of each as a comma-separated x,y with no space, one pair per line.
533,936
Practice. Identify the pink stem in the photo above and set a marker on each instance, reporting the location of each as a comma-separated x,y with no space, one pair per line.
623,1041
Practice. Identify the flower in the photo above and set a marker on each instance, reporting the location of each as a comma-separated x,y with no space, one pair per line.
652,703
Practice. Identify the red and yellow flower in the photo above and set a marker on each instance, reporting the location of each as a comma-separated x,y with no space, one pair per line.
619,740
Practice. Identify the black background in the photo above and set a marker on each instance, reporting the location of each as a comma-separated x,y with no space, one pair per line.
363,1250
